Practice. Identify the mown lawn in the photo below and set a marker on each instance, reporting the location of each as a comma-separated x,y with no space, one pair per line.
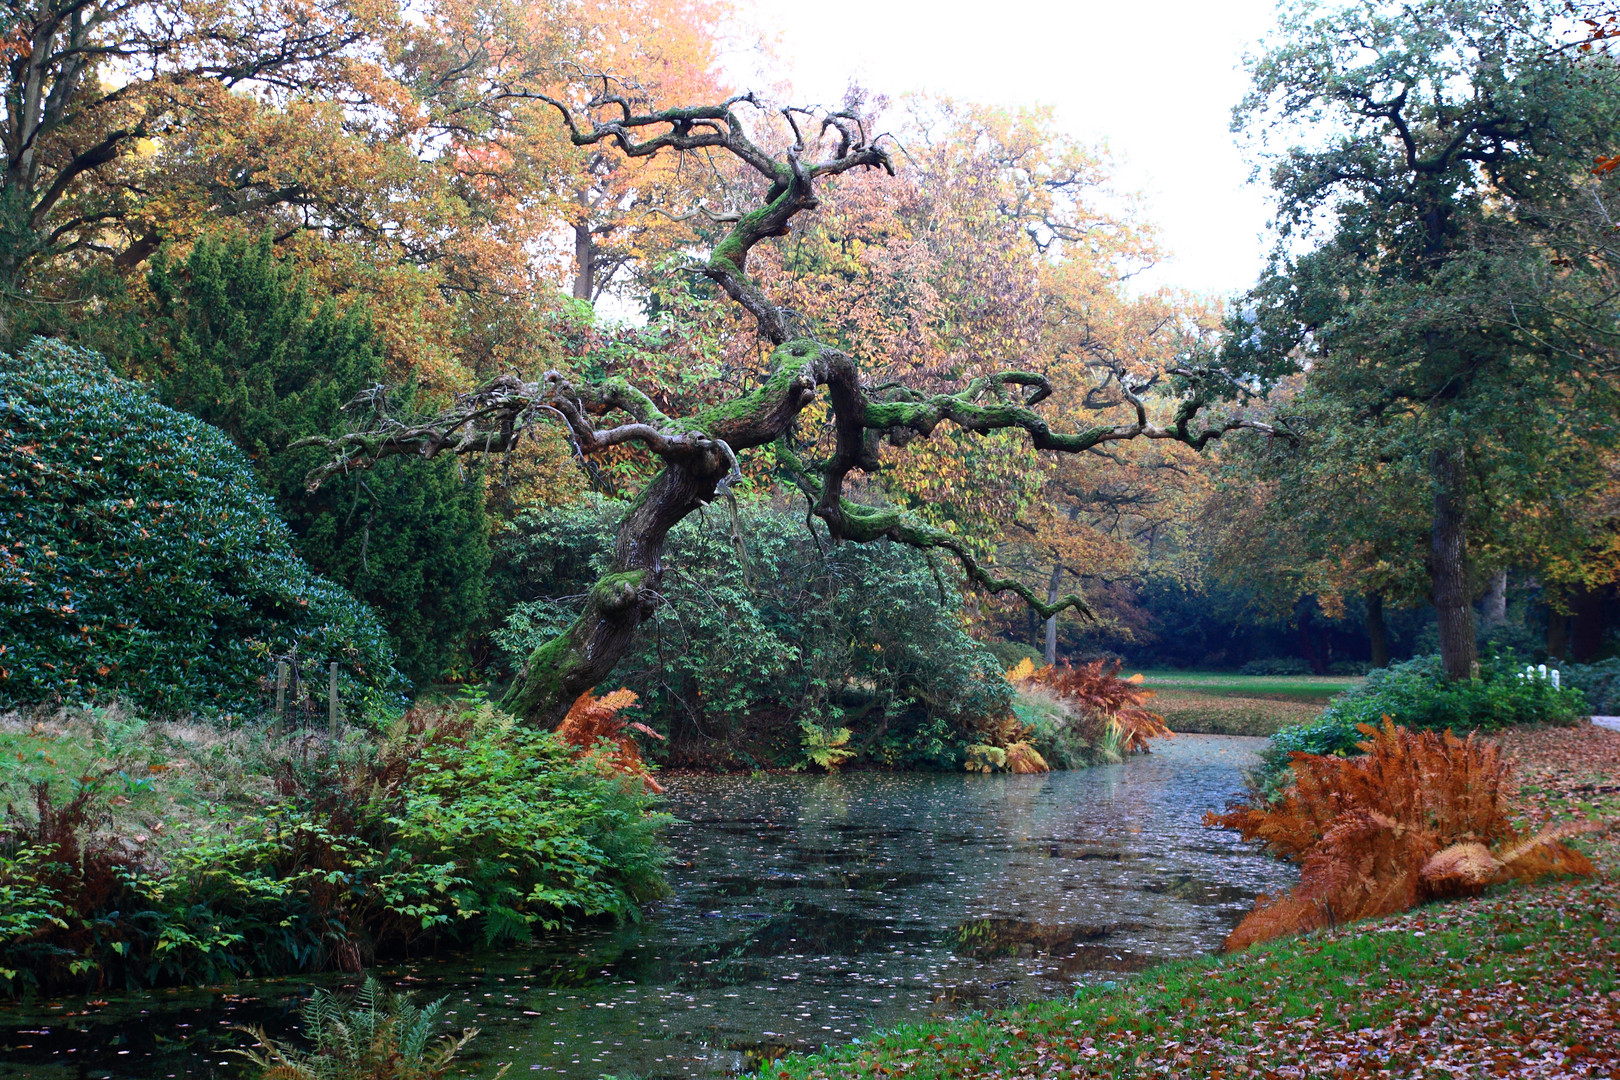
1523,981
1303,688
1212,703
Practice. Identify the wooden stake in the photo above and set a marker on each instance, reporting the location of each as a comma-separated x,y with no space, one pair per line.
281,697
331,703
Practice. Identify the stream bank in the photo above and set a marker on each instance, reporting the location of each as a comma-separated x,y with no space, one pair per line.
806,911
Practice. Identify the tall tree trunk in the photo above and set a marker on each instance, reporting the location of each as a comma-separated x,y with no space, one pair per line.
1493,609
584,261
1448,564
1377,633
579,658
1051,621
1557,632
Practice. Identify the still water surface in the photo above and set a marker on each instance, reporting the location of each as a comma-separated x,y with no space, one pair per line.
806,910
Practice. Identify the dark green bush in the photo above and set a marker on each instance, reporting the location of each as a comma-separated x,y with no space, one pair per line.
140,558
758,666
1599,682
234,337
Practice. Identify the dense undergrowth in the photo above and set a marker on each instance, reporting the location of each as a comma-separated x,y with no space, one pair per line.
136,854
773,648
140,558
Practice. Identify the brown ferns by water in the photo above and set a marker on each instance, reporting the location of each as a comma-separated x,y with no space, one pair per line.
593,719
1419,816
1096,689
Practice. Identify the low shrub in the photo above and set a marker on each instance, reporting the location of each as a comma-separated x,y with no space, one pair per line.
1417,695
376,1035
1417,816
458,827
142,560
1599,683
1084,711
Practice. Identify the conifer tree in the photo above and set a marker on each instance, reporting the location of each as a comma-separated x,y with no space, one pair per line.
234,336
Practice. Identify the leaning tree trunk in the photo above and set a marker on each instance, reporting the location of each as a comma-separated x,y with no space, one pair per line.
579,658
1448,565
1377,633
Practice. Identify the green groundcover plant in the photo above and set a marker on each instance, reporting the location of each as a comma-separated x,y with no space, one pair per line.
141,559
458,826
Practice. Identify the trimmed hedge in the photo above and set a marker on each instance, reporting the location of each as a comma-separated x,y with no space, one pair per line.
139,557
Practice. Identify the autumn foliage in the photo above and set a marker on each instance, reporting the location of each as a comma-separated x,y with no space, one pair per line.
1097,689
593,720
1419,816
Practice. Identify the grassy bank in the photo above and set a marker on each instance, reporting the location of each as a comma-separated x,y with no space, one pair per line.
1211,703
1521,981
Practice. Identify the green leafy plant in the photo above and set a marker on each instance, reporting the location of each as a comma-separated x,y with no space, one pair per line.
376,1035
758,639
144,561
234,335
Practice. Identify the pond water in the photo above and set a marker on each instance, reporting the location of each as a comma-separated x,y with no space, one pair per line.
807,910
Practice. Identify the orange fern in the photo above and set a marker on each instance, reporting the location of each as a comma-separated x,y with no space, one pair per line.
1420,816
593,721
1096,688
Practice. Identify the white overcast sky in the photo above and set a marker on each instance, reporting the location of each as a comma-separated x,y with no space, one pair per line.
1155,81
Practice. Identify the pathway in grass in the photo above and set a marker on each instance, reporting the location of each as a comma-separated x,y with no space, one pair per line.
1521,982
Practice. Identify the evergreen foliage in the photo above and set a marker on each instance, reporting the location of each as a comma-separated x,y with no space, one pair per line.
765,663
234,337
140,558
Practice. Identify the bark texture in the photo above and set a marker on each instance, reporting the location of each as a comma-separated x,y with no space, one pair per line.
1377,632
1448,564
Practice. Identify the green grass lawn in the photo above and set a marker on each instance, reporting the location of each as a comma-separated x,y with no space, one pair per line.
1310,689
1215,703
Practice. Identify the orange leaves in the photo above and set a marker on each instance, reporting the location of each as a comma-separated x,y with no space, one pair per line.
594,723
1096,688
1420,816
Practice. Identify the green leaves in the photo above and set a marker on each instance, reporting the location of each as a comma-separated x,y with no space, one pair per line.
140,558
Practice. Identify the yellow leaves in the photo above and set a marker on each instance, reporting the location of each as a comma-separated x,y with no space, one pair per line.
1023,671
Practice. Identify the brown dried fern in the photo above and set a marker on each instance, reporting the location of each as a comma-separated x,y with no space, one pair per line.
593,720
1420,816
1096,688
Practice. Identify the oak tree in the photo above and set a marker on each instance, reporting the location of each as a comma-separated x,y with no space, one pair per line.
697,454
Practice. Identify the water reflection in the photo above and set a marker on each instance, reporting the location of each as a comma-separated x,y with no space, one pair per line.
807,910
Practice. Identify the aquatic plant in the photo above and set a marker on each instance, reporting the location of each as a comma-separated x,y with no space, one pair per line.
1418,816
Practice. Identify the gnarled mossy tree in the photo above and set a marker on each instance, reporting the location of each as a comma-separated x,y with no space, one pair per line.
698,453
